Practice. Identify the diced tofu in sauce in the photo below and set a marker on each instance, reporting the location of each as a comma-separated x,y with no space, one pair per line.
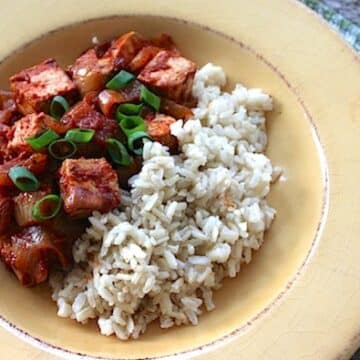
87,185
36,86
28,126
92,70
31,125
88,182
170,75
123,49
140,60
84,115
90,73
159,129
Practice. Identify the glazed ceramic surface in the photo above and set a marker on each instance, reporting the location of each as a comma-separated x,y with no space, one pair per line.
299,296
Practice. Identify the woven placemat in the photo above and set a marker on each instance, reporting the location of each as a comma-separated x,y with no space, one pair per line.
349,30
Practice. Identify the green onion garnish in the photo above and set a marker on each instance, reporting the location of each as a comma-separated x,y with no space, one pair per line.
135,141
58,107
47,207
130,109
118,152
23,179
131,124
120,80
62,149
80,135
44,139
120,116
149,98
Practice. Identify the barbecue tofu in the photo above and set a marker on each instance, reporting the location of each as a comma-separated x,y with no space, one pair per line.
35,87
170,75
87,185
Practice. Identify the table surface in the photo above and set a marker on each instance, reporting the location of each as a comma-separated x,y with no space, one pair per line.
350,9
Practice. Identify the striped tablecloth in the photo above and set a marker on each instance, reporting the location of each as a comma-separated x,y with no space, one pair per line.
349,29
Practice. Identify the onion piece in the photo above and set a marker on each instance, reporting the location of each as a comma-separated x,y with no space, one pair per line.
23,205
108,99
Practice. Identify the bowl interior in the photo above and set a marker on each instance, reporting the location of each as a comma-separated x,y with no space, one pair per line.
298,200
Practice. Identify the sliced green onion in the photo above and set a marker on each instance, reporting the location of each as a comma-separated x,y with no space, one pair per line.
44,139
23,179
149,98
120,116
120,80
130,109
135,141
118,152
58,107
80,135
62,149
47,207
131,124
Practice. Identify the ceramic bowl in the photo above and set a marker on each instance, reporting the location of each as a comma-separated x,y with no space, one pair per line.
297,143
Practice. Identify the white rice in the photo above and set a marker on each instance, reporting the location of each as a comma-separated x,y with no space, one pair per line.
189,221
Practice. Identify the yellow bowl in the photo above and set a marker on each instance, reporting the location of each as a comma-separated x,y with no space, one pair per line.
248,301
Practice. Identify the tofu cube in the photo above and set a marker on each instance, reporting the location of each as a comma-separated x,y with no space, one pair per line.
36,86
28,126
169,75
124,48
90,73
88,185
159,129
142,58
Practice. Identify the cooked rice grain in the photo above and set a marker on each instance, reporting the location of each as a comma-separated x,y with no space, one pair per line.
189,221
